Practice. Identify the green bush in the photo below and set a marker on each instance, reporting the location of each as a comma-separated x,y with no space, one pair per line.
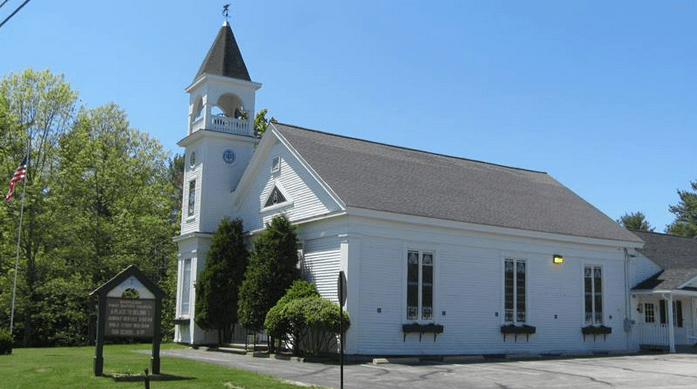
277,324
306,320
5,342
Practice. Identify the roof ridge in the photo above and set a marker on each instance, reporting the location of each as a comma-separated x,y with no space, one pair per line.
412,149
662,234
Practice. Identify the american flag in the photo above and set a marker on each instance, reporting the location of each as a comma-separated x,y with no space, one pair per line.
19,175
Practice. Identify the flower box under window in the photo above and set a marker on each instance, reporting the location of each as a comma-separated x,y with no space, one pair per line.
595,331
421,329
511,329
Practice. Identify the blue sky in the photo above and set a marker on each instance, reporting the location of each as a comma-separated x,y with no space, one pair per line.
601,95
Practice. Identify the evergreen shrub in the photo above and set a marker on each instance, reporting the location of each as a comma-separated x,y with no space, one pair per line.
5,342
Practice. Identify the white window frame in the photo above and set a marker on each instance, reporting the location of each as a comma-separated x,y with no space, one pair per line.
191,205
514,318
420,317
649,307
289,201
275,164
185,298
594,314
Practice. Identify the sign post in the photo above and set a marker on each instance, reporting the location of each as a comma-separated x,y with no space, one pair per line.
342,290
137,317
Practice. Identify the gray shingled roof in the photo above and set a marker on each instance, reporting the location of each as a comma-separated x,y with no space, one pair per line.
224,57
380,177
675,254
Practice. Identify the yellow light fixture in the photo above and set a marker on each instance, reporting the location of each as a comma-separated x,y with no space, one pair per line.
557,259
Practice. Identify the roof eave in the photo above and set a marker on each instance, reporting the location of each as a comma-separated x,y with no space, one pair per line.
422,220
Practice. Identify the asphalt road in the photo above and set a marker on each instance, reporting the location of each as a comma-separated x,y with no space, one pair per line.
661,371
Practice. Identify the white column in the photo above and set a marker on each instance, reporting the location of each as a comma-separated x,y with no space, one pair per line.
671,330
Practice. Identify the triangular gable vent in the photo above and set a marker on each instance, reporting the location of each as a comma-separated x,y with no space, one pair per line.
276,197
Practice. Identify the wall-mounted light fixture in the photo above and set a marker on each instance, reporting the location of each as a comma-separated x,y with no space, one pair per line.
557,259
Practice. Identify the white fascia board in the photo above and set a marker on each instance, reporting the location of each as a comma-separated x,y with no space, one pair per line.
252,167
192,235
221,80
307,167
485,229
210,134
690,293
307,220
689,281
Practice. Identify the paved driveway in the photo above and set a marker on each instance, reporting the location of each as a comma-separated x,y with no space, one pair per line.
641,371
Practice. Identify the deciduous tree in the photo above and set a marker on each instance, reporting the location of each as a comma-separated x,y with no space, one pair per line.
261,122
42,105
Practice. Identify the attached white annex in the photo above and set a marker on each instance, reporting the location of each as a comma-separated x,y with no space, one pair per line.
443,255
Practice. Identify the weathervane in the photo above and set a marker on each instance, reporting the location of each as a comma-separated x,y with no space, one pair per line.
225,12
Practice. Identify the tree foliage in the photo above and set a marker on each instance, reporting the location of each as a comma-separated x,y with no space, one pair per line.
261,123
635,221
271,271
218,284
40,107
98,198
685,223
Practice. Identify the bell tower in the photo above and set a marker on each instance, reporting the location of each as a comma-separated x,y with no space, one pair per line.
218,145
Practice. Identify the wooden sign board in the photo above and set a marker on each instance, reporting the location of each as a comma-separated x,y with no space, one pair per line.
134,317
129,318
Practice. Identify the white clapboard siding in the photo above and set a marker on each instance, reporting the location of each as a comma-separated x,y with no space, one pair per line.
468,296
321,265
305,197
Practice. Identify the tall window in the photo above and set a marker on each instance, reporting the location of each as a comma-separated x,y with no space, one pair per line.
419,285
186,286
192,198
593,286
514,291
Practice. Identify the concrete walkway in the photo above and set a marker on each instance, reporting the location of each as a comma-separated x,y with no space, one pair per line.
660,371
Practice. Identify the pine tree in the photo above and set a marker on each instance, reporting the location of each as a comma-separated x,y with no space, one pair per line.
685,223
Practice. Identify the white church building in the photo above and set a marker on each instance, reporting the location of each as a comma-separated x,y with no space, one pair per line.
443,255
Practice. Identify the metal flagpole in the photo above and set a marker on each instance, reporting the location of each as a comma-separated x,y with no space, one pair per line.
19,236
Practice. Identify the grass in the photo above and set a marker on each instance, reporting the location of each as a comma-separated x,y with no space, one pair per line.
71,367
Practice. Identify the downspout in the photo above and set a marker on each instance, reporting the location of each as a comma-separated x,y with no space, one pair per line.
627,304
671,330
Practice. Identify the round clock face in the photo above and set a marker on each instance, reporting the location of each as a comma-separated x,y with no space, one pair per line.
228,156
192,158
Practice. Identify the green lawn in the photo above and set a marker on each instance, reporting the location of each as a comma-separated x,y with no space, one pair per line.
71,367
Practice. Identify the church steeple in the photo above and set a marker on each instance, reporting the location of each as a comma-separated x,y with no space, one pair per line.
219,144
222,93
224,57
220,138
